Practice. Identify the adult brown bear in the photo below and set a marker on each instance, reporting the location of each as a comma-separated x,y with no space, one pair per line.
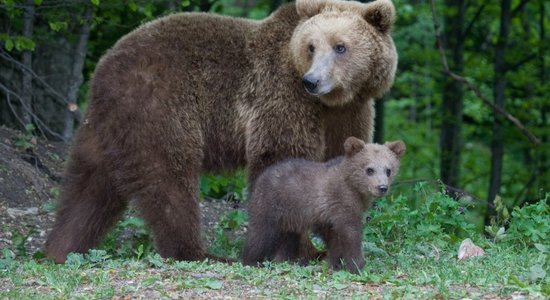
192,92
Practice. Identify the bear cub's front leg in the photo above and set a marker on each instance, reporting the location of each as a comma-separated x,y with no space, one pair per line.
345,248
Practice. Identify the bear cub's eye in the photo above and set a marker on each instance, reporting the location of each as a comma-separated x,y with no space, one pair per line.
388,172
340,48
311,49
370,171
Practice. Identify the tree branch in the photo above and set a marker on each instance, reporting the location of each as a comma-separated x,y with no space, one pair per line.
518,8
13,111
513,67
39,122
57,96
474,19
472,87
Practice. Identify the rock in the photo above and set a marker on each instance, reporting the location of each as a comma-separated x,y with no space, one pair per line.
16,212
468,249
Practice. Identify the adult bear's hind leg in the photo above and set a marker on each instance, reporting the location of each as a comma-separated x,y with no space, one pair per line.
89,203
170,208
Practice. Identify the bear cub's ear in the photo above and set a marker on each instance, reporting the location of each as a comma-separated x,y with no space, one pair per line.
309,8
397,147
380,14
353,145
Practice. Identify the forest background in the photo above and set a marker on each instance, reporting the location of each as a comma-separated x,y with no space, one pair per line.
476,121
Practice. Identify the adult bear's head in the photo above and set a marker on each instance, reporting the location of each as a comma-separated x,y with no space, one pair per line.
344,48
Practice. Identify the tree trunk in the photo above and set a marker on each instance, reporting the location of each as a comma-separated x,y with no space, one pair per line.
379,106
499,86
26,59
543,159
453,94
76,74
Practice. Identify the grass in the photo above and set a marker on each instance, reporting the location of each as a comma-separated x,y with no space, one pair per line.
410,249
409,273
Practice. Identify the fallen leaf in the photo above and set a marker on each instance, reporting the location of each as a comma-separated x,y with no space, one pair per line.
468,249
213,284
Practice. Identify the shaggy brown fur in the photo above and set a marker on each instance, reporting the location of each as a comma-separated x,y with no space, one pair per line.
193,92
295,196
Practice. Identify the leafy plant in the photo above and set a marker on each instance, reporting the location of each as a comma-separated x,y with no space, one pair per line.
19,240
7,259
230,188
437,218
25,140
497,227
530,224
226,242
130,238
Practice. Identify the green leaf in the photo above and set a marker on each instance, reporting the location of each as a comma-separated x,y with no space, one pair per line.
513,279
57,26
133,6
8,44
148,10
213,284
37,2
95,2
536,272
541,248
24,44
185,3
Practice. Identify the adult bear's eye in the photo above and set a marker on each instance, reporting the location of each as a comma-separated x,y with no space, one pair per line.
370,171
311,49
340,48
388,172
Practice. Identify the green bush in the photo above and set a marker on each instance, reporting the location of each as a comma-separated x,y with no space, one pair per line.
436,218
530,224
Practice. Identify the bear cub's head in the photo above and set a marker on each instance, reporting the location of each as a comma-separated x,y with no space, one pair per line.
371,168
344,48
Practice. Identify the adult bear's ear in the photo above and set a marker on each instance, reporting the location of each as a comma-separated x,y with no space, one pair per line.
380,14
353,145
309,8
397,147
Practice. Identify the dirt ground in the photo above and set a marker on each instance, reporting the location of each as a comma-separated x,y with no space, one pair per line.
29,187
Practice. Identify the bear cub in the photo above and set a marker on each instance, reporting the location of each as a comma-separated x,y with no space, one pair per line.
297,196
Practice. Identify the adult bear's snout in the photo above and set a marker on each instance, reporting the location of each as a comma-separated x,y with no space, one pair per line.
310,83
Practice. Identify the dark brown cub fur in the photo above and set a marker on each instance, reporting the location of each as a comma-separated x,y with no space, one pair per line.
295,196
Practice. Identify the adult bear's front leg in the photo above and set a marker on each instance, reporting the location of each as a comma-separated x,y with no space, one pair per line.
276,138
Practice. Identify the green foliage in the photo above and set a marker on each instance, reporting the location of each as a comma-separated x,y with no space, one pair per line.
24,140
226,241
435,218
19,240
232,188
7,260
530,224
413,108
129,238
497,227
20,43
